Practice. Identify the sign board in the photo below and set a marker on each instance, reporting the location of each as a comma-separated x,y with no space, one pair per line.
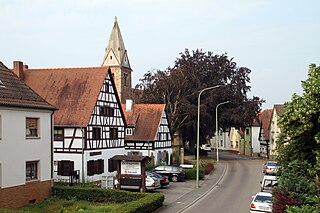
130,168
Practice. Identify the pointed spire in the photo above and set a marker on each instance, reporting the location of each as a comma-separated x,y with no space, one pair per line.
116,53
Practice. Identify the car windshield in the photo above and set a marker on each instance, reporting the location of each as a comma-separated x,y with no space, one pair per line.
271,164
263,199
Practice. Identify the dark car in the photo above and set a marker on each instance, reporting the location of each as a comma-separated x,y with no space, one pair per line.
164,181
174,173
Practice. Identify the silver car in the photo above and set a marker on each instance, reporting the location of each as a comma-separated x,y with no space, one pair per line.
270,167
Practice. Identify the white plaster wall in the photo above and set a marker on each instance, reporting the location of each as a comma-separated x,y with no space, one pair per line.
255,139
15,149
77,158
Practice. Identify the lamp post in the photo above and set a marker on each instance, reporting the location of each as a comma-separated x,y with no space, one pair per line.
217,133
198,127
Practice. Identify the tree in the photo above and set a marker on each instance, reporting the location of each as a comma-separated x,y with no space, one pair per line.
178,87
300,123
298,146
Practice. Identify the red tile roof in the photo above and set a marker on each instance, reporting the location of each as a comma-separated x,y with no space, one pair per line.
146,119
74,91
15,93
265,119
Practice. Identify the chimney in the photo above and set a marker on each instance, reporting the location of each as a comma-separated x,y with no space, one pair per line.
129,104
18,69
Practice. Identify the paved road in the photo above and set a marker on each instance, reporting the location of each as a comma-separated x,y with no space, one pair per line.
228,189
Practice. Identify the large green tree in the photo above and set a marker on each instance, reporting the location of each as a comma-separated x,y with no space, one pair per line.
300,123
179,87
298,148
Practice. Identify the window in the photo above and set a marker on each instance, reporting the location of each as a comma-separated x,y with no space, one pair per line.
106,111
65,167
32,127
2,84
129,131
96,133
110,57
247,131
31,170
95,167
125,79
113,133
58,134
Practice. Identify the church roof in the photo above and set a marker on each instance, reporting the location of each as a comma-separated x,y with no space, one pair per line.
15,93
116,53
145,118
74,91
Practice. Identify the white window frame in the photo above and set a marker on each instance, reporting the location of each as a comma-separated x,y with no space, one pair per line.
36,174
129,131
37,128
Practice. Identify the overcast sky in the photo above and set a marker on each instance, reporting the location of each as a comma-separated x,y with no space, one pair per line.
276,39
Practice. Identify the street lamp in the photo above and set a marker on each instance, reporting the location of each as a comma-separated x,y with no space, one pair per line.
198,127
217,133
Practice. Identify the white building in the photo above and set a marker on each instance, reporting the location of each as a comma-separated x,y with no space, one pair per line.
26,122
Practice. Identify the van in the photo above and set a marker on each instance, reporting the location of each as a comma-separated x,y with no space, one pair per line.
268,182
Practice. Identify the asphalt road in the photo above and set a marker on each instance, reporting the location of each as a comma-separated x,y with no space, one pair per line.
233,193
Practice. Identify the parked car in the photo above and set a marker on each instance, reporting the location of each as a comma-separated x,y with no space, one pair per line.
152,183
268,182
164,180
270,167
174,173
261,202
206,147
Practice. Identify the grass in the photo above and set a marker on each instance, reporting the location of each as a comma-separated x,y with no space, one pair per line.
59,205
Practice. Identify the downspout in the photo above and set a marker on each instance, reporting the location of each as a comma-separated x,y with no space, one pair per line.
82,156
52,153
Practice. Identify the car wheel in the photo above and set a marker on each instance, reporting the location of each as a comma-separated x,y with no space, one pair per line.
174,178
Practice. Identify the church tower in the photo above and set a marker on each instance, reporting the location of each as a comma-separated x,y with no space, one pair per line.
116,58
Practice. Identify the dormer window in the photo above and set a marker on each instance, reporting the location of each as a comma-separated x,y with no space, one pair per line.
2,84
129,131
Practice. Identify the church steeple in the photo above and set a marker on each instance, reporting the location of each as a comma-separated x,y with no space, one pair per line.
116,53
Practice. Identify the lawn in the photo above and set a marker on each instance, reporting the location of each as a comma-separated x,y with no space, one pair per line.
59,205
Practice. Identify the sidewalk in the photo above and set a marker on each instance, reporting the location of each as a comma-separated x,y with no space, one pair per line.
186,194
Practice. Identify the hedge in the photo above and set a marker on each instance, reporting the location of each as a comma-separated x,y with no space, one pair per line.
192,173
133,202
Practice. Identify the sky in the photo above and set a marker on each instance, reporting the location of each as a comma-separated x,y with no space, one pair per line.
276,40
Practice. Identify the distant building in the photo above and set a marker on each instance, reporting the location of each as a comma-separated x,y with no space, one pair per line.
274,128
264,133
26,122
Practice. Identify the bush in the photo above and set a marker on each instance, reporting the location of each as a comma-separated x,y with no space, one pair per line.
134,202
192,173
95,194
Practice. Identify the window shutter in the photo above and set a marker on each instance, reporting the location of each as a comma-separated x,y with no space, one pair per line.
60,167
111,165
90,168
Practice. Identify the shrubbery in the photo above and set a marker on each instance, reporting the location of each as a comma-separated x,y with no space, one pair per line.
133,201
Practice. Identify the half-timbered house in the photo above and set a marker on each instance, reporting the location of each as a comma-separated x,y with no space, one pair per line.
89,127
264,133
25,142
148,132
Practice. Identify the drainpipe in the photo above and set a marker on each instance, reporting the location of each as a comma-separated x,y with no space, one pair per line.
82,156
52,152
